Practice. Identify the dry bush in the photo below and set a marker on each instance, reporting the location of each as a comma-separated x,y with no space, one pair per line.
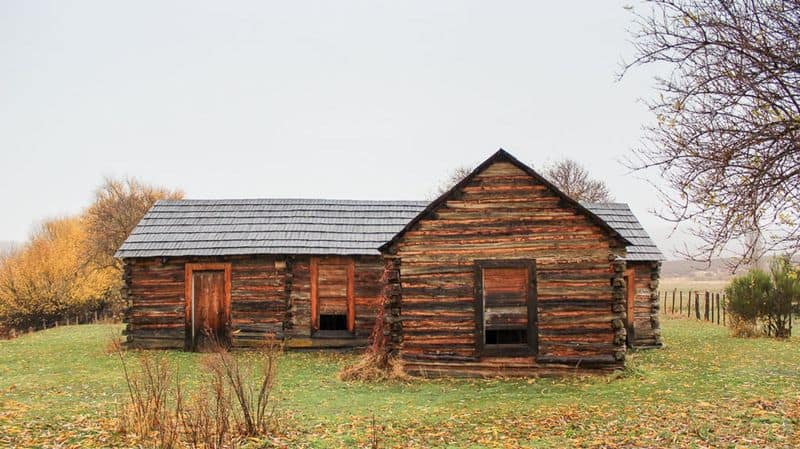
206,418
232,401
148,414
250,386
374,366
743,328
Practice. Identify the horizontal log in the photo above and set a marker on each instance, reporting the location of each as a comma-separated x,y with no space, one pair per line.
140,320
152,343
156,333
593,361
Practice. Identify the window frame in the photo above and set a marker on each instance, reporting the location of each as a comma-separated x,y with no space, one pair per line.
525,349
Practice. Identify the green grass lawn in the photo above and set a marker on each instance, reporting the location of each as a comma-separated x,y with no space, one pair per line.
59,388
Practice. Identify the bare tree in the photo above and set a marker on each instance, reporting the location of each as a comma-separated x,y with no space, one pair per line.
726,139
119,205
573,179
568,175
452,179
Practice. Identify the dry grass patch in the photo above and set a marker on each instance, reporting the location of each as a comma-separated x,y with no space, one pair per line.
374,367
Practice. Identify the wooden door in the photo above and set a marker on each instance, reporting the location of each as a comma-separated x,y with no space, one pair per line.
208,305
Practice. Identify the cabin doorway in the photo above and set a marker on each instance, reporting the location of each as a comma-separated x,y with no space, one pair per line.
332,297
208,306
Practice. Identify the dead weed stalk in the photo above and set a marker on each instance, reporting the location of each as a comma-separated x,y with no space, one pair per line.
232,401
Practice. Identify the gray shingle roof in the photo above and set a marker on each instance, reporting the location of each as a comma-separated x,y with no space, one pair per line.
306,226
267,226
621,218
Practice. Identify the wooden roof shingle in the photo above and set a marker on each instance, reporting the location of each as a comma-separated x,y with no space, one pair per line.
267,226
620,217
308,226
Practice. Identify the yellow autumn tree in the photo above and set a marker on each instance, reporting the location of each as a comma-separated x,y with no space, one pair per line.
67,267
49,277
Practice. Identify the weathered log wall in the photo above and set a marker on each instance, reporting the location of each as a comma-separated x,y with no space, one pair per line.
647,332
155,307
391,296
156,310
270,296
504,213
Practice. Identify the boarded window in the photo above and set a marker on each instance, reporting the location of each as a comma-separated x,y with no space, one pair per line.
507,310
332,300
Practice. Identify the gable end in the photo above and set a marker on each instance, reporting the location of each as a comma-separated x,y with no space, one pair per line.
501,156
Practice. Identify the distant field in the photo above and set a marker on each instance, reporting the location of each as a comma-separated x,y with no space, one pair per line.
686,284
59,389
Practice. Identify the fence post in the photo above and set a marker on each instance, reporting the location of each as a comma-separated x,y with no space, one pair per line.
680,302
689,304
718,307
705,310
697,305
712,308
723,309
673,302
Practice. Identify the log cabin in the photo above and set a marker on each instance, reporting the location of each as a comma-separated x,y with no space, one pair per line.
502,275
306,271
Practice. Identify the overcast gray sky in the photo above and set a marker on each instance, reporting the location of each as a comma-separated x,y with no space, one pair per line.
345,99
